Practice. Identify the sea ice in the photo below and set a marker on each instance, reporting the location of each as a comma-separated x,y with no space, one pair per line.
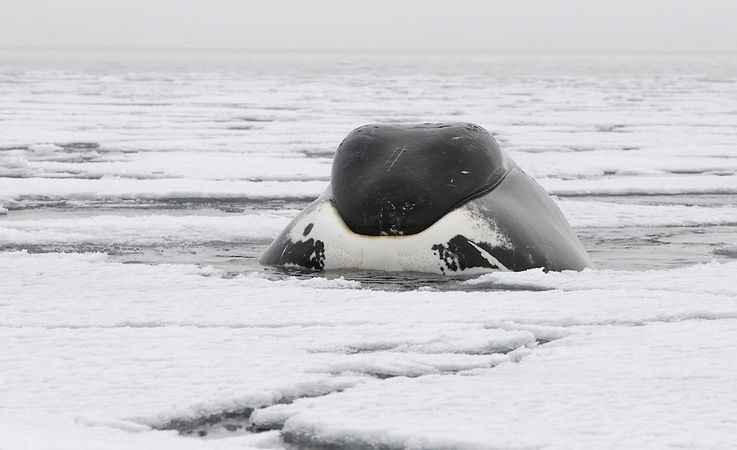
137,347
137,149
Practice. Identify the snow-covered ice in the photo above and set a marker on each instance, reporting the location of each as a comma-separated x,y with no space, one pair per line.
596,359
137,191
145,229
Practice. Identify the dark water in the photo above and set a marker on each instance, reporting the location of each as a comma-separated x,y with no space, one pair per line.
628,248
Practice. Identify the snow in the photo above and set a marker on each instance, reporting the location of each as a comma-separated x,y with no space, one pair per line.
86,434
643,184
15,189
656,386
127,152
698,279
90,164
595,214
121,345
599,117
145,229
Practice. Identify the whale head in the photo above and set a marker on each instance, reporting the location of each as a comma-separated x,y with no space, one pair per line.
440,198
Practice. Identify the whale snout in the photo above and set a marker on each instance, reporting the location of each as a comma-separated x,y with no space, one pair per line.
392,180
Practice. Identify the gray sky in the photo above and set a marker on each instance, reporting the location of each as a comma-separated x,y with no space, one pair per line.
497,25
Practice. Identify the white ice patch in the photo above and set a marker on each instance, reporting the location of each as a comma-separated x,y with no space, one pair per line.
144,229
311,282
180,164
642,185
659,386
14,189
120,344
698,279
593,214
655,160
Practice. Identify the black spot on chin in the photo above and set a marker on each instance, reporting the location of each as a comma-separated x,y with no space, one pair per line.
307,230
309,254
460,254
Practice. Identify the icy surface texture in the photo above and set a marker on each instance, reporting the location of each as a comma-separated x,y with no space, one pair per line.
138,190
574,361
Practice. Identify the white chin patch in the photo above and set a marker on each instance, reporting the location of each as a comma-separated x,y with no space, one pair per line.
459,243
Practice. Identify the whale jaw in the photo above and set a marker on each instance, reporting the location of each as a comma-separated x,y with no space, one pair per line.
462,243
515,226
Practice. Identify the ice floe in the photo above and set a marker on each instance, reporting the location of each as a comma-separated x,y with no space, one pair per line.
157,346
145,229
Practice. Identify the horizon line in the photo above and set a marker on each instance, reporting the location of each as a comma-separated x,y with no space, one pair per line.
368,50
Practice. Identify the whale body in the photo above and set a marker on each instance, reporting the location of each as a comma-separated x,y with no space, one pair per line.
438,198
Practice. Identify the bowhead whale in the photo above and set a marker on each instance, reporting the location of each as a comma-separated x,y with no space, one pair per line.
440,198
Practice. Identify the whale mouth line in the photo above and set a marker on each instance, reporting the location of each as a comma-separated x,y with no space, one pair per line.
485,189
393,231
